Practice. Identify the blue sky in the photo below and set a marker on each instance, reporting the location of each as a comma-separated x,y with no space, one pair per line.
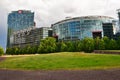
48,12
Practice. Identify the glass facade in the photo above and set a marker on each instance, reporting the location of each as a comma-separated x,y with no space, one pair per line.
44,32
119,14
18,20
108,30
80,27
119,17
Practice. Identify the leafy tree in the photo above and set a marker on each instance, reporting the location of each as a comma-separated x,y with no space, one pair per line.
63,47
118,43
28,49
78,46
112,45
9,51
88,44
106,42
70,46
101,45
1,51
58,48
14,51
47,45
97,43
34,49
20,50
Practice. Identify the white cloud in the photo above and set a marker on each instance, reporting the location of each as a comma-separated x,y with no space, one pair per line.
48,12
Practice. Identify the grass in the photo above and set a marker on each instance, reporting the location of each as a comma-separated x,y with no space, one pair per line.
62,61
111,50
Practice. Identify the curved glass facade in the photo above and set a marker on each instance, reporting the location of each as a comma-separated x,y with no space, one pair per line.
79,27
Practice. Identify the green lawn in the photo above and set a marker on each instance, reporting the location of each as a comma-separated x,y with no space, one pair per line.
62,61
112,50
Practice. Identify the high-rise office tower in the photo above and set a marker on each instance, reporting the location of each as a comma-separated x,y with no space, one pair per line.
19,20
119,14
119,17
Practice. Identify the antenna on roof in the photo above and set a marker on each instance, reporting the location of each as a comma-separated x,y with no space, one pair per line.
68,17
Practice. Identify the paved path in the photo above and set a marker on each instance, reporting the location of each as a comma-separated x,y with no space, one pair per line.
60,75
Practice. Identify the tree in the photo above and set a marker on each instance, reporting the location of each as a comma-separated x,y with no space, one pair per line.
16,50
118,43
97,43
47,45
70,46
28,50
88,44
63,47
58,44
112,45
12,51
9,51
106,42
1,51
101,45
78,46
34,49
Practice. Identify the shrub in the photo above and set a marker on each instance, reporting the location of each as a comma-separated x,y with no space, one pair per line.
88,44
63,47
1,51
47,45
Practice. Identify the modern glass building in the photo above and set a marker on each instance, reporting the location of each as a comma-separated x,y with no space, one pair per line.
119,18
18,20
80,27
119,14
44,32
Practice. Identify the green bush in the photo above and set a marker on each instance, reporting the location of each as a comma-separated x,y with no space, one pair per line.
106,42
1,51
88,44
101,45
47,45
63,47
70,46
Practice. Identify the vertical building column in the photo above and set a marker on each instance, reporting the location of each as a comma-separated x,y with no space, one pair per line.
119,17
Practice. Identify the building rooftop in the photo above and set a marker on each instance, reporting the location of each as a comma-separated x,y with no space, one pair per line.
85,17
22,11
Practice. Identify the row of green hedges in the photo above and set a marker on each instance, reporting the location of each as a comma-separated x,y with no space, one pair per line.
49,45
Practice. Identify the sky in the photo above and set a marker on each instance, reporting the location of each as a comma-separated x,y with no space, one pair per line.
48,12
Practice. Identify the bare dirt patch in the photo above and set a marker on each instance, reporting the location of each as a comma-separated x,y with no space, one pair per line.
2,58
